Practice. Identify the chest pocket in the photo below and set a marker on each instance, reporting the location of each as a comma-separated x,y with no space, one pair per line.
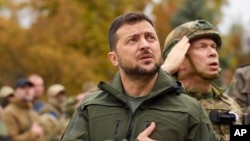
171,121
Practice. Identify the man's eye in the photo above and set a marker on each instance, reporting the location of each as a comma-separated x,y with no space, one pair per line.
215,47
151,38
202,46
132,40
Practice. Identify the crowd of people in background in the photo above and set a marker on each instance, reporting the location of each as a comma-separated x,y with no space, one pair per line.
30,112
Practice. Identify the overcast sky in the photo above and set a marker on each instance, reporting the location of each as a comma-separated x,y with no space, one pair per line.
236,10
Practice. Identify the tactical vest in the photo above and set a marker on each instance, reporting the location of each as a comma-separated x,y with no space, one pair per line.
220,103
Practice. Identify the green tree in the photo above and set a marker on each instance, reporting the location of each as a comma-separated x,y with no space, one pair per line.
199,9
171,13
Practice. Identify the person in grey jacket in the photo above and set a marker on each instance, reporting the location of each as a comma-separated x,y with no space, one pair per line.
140,97
239,89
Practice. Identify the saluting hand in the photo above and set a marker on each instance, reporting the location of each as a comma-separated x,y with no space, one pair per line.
176,56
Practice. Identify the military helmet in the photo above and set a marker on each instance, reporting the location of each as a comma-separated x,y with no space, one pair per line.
54,89
193,30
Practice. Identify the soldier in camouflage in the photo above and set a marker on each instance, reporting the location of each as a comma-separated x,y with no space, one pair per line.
191,56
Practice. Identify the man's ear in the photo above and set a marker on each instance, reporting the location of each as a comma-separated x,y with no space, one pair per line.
113,58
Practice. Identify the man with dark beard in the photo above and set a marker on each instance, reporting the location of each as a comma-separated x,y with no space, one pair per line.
191,55
140,95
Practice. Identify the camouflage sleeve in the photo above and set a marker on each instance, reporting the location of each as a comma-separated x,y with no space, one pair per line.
77,129
235,107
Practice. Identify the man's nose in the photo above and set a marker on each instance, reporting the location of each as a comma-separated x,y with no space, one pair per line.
213,51
143,43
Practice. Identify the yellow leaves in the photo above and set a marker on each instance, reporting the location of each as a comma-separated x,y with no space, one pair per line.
67,43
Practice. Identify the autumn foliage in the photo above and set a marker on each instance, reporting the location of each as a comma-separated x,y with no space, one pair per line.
66,41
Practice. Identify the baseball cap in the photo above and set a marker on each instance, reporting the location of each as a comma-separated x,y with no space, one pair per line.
23,82
54,89
6,91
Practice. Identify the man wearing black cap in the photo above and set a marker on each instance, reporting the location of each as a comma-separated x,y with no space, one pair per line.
20,119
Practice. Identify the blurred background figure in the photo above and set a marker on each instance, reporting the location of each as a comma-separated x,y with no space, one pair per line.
50,125
20,119
6,94
73,102
56,101
55,107
3,130
240,90
70,106
87,87
38,83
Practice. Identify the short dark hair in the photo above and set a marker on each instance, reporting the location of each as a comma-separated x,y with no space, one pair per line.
127,18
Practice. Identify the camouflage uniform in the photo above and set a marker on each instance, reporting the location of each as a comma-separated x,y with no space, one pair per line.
215,100
222,103
240,89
